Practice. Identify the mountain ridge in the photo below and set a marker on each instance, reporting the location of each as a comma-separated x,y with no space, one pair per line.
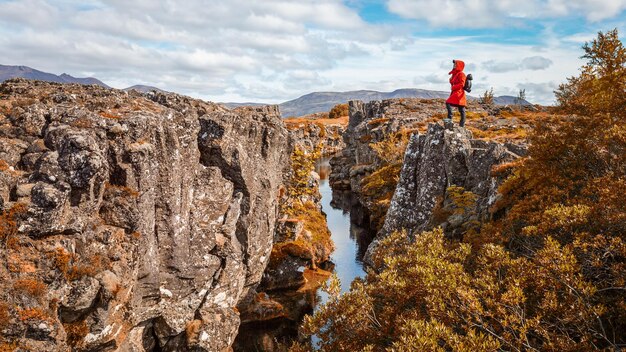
316,102
307,104
8,72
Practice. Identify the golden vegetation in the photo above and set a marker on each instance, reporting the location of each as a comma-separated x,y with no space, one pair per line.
8,221
341,110
487,98
378,121
109,115
297,122
5,315
76,332
74,268
31,287
37,314
123,191
547,273
298,204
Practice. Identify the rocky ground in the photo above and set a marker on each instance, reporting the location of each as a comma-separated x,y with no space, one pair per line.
131,222
317,131
442,162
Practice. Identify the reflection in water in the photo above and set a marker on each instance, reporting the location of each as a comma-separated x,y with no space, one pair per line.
347,222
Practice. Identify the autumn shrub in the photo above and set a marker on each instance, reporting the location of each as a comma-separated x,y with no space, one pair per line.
314,222
31,287
428,294
75,267
339,111
9,219
61,259
76,332
36,313
88,266
299,205
487,98
5,314
302,164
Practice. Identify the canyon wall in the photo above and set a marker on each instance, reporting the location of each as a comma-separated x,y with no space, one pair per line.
132,222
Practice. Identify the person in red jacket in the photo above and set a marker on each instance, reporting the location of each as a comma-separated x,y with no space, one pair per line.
457,97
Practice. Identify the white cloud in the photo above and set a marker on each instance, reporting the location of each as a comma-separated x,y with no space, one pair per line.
499,13
221,43
275,50
533,63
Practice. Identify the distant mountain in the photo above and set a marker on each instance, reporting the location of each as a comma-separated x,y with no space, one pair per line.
143,89
8,72
307,104
324,101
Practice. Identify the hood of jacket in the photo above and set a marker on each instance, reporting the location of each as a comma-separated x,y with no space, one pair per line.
459,65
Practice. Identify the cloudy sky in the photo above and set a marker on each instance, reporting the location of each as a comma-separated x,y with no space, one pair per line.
277,50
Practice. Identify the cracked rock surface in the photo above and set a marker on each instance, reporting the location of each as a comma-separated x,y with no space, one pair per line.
144,219
445,156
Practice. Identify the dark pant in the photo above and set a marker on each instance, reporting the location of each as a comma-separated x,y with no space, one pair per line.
461,111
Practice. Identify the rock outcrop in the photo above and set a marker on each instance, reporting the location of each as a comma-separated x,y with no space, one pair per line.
131,222
370,123
440,168
317,133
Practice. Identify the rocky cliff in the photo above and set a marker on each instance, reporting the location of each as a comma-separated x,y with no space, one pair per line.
317,132
371,123
447,180
131,222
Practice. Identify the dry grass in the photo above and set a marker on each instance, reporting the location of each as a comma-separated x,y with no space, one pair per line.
89,266
5,315
123,191
82,122
8,220
37,314
61,259
76,332
31,287
109,115
377,122
297,122
4,166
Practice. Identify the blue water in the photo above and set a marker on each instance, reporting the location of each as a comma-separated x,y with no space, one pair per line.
346,257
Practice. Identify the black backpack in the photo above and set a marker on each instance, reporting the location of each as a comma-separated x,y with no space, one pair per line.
468,83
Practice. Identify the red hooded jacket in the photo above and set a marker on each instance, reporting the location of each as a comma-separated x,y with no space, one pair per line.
457,97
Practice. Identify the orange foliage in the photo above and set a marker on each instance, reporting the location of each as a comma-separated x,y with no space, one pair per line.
338,111
109,115
4,314
8,220
76,332
32,314
31,287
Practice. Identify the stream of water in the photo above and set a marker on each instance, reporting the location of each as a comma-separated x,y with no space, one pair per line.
349,237
348,227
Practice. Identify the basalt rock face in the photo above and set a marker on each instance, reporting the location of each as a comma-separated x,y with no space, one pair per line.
308,135
370,123
131,222
439,166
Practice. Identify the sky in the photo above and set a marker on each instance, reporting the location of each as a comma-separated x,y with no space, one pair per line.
277,50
